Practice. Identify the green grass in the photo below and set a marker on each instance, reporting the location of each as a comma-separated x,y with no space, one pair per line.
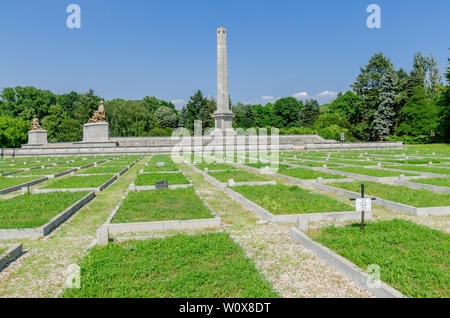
237,176
282,199
372,172
422,169
3,250
312,163
181,266
34,210
413,197
303,173
11,182
356,163
162,205
414,259
169,165
266,164
42,172
100,169
215,166
151,179
78,163
79,182
442,182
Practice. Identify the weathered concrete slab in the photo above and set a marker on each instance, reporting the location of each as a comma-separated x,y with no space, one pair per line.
23,185
10,255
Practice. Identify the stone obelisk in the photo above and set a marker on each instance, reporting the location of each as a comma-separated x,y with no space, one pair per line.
223,116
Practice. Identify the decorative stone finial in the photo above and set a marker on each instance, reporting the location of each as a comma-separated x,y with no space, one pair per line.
99,115
35,124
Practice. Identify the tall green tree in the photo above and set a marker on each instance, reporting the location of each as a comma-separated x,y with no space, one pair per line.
383,118
244,116
13,131
195,110
286,112
309,113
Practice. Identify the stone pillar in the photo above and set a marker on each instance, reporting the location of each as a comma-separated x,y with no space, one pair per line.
37,137
223,115
96,132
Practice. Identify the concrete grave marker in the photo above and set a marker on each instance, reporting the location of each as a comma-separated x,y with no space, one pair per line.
161,164
231,183
363,204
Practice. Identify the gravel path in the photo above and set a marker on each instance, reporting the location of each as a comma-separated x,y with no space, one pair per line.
293,270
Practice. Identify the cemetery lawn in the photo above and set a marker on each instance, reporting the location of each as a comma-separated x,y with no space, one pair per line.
169,165
34,210
152,178
3,250
282,199
413,259
162,205
215,166
181,266
356,163
11,182
303,173
312,163
42,172
79,182
442,182
422,169
100,169
266,164
413,197
237,176
373,172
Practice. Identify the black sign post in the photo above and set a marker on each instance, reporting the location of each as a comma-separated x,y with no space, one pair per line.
362,205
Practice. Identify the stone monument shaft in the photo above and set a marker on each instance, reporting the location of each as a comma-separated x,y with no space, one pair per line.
222,71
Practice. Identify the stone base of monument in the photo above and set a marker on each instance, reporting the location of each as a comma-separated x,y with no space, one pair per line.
37,137
223,120
96,132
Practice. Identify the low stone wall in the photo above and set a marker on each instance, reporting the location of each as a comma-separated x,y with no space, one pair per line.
10,255
354,146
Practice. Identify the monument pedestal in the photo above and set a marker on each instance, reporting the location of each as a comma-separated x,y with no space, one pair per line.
223,120
96,132
37,137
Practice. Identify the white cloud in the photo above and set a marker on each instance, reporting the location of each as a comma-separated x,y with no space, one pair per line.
267,98
326,94
178,102
300,95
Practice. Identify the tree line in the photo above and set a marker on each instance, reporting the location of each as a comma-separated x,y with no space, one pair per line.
382,104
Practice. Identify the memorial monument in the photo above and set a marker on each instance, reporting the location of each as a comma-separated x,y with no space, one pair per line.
223,116
37,135
97,129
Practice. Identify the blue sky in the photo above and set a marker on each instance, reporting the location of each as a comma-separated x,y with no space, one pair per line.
131,49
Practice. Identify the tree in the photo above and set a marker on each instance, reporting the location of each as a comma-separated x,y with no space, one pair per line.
195,109
383,119
347,106
309,113
166,117
263,115
244,116
368,82
420,117
85,106
13,131
286,112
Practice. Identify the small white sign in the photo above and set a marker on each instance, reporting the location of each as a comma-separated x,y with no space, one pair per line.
363,204
160,164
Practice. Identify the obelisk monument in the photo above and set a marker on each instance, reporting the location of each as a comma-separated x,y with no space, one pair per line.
223,116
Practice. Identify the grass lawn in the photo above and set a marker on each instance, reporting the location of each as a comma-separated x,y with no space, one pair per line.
356,163
303,173
414,259
11,182
79,182
151,179
413,197
34,210
169,165
42,172
215,166
282,199
373,172
265,164
422,169
237,176
162,205
100,169
181,266
442,182
3,250
312,163
78,163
